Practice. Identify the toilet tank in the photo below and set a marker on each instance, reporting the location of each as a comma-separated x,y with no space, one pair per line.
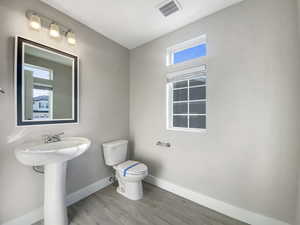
115,152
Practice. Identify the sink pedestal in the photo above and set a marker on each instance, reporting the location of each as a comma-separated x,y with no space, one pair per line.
55,210
54,157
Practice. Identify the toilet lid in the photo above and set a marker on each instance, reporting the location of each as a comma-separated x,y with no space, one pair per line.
132,167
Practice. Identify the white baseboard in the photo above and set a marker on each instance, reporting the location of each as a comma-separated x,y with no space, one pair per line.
214,204
37,214
87,191
219,206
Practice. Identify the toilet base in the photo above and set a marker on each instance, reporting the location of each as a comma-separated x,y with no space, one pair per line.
131,190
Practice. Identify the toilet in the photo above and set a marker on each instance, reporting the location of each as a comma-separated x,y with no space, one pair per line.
129,173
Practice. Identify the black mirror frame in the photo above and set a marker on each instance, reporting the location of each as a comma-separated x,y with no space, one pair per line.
19,84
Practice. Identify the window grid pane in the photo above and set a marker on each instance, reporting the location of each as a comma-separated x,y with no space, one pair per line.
198,82
196,93
180,94
180,121
197,107
198,122
180,84
180,108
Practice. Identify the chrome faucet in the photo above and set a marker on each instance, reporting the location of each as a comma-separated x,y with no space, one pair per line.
52,138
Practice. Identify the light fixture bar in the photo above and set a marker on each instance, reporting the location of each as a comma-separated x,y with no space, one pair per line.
46,22
55,29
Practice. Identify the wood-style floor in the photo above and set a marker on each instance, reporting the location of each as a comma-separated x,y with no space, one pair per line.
158,207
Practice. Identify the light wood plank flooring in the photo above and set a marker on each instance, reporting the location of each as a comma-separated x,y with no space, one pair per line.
158,207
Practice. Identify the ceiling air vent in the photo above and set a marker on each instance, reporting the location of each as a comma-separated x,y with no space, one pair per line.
169,7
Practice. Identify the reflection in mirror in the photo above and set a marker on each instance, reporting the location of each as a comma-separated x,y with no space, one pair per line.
49,89
48,85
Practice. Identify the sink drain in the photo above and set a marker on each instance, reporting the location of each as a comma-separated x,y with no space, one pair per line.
38,169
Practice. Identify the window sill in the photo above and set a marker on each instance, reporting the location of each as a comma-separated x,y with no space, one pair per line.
202,131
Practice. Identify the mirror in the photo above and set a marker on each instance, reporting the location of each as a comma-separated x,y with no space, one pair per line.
46,84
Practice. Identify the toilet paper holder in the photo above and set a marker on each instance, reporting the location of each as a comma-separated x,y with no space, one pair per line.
163,144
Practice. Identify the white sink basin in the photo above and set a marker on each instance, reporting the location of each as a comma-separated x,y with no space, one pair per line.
39,154
53,157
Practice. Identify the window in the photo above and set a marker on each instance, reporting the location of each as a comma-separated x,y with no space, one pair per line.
42,98
42,91
186,51
187,100
39,72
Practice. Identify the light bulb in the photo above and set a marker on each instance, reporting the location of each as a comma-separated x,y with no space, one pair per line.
71,38
35,22
54,30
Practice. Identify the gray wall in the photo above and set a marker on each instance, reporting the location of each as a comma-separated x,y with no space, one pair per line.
298,197
104,106
62,85
249,157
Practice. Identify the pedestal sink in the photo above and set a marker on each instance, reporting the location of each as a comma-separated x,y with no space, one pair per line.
54,157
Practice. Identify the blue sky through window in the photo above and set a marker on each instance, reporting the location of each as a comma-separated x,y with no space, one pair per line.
190,53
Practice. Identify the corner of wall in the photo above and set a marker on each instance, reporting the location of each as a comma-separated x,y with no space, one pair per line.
297,210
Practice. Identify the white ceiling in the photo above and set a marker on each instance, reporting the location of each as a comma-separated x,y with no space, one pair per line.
132,23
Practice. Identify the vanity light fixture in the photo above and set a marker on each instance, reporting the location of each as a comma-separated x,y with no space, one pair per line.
35,22
54,30
71,38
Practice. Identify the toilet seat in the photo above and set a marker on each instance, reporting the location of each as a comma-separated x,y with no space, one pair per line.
131,167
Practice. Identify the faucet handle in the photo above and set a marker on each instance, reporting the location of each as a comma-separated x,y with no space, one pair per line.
59,134
57,137
46,138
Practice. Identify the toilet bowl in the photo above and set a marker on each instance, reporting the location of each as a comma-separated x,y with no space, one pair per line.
129,173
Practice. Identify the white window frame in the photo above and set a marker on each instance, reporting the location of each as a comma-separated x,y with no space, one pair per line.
170,101
182,46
